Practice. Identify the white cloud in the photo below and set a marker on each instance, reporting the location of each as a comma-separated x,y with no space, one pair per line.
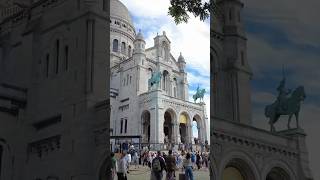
297,18
192,38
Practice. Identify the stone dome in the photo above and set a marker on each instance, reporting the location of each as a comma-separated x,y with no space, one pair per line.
139,36
119,10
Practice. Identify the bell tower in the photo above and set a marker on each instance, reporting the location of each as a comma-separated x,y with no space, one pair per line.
231,70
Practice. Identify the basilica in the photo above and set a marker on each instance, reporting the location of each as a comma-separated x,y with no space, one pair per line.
155,114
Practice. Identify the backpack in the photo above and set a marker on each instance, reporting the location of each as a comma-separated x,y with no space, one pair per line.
156,164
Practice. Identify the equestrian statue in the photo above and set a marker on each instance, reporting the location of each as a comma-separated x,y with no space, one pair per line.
199,94
155,79
285,105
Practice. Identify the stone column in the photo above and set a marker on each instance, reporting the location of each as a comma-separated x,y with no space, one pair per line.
300,137
177,133
189,133
200,134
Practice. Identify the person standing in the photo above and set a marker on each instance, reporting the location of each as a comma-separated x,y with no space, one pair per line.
158,165
114,168
171,166
128,159
122,168
187,164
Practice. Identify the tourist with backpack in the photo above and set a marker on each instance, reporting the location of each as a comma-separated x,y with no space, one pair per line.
171,166
157,166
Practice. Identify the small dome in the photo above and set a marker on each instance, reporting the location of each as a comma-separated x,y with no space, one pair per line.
119,10
139,36
181,58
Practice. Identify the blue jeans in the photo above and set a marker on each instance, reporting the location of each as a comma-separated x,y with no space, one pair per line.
188,172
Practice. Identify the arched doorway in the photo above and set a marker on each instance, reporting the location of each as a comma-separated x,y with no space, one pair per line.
183,130
145,119
104,174
168,130
197,128
237,169
277,173
232,173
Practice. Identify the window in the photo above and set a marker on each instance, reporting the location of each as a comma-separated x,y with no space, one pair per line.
174,92
66,54
57,55
129,51
125,126
123,47
242,58
121,125
130,79
47,65
115,45
127,79
104,5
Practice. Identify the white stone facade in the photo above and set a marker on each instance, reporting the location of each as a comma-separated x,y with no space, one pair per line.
137,108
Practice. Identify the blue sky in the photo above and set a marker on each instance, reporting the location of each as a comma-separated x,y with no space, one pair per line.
279,32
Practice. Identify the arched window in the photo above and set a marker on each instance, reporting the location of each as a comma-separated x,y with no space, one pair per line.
57,55
115,45
125,126
123,47
47,64
127,79
165,51
129,51
165,80
121,125
242,58
175,87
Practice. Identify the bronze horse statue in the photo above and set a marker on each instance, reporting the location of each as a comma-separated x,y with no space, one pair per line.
290,107
199,94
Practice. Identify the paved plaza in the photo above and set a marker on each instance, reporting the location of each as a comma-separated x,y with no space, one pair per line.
143,173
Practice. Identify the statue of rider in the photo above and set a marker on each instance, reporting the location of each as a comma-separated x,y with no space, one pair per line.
282,97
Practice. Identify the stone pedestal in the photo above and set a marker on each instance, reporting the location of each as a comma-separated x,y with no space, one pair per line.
300,136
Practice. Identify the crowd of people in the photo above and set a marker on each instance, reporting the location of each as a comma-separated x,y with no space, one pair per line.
184,162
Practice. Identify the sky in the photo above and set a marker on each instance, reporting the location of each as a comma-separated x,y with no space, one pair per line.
280,33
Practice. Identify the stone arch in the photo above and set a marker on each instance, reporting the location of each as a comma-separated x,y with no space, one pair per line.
103,165
123,48
200,127
277,173
278,168
170,118
184,126
215,71
146,126
240,161
115,45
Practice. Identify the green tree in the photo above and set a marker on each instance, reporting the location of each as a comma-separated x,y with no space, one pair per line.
179,9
